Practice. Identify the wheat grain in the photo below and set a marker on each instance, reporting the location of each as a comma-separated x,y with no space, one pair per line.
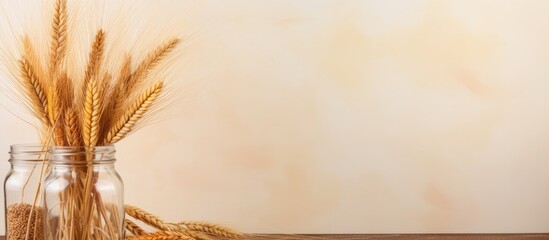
18,217
136,111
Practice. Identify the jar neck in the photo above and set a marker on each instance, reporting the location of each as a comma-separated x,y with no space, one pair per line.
74,156
27,154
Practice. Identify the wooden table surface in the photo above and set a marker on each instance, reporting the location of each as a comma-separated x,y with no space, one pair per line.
409,236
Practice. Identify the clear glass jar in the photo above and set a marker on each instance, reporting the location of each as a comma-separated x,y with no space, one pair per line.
22,194
84,195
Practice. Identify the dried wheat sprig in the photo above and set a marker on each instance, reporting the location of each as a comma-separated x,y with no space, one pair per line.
63,96
212,229
72,128
198,235
135,112
163,235
64,92
134,228
96,56
51,96
121,83
35,91
149,219
91,113
32,56
104,88
58,35
150,62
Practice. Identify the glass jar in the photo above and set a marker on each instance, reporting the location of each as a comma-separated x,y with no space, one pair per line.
84,195
22,194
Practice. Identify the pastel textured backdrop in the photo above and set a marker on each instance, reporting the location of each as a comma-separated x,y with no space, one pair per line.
346,116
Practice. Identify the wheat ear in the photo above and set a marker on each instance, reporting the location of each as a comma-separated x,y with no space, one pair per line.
63,97
154,221
163,235
96,56
92,110
124,126
133,228
34,90
115,104
150,62
32,56
72,128
213,229
122,82
58,34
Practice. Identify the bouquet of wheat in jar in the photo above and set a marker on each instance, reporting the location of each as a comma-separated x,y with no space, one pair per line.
75,192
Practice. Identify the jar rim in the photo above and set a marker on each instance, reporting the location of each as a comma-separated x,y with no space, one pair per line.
27,152
80,155
28,148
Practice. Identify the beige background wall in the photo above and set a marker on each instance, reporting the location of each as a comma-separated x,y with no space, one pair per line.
347,116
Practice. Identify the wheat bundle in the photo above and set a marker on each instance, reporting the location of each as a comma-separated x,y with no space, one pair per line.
99,107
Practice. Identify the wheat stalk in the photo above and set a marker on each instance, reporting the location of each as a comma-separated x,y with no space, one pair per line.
136,111
196,230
